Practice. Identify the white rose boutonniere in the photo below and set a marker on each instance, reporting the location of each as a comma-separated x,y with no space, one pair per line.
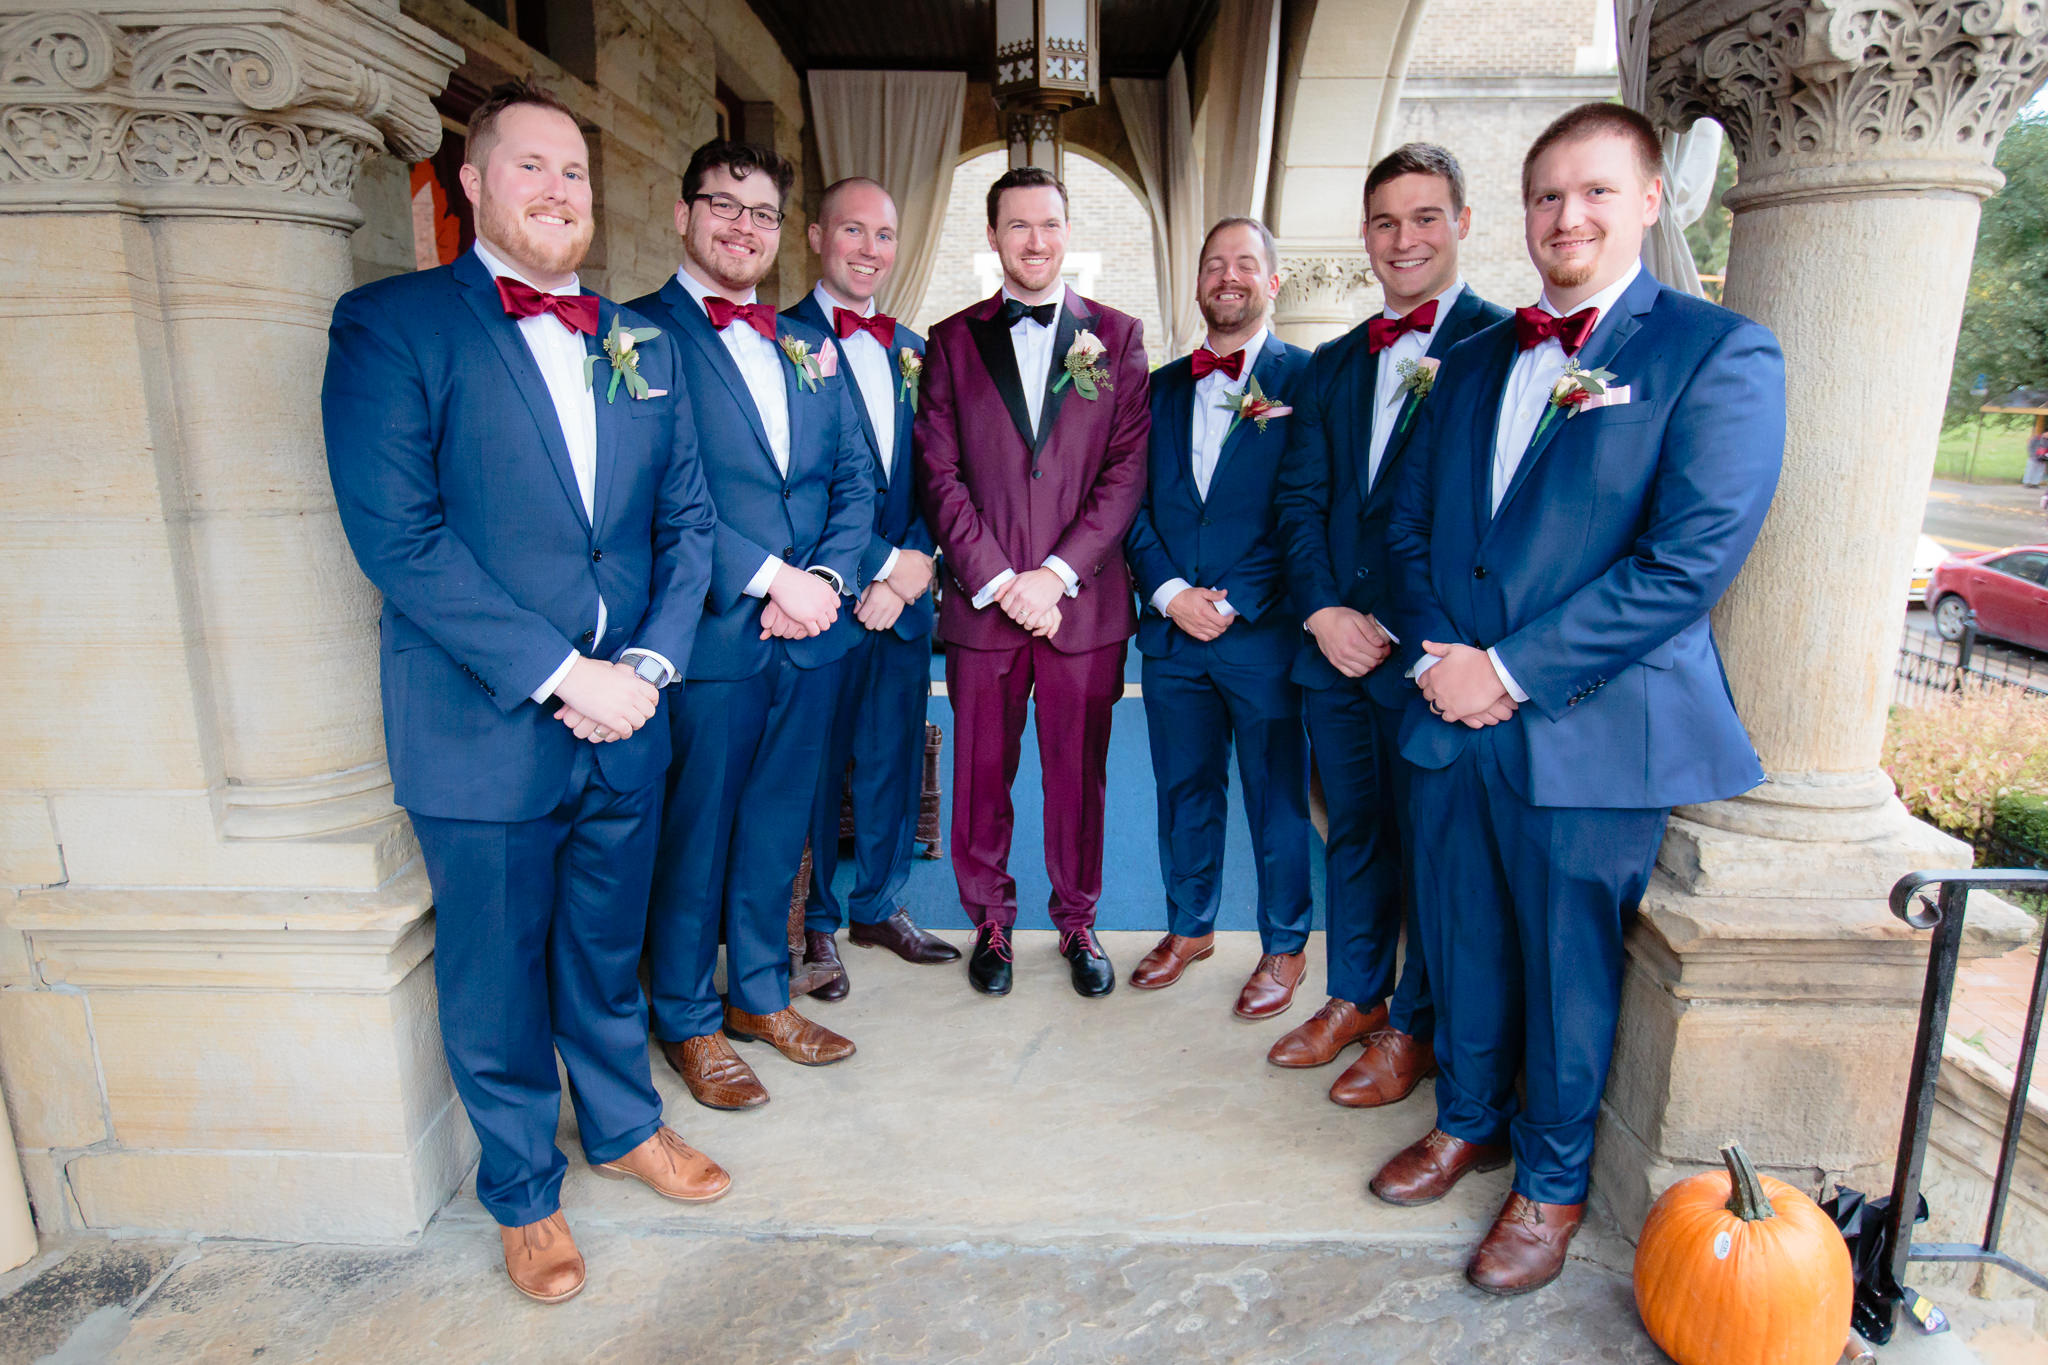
808,367
1083,369
1418,377
910,365
622,354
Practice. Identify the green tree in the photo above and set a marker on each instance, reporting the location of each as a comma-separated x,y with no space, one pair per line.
2004,335
1708,236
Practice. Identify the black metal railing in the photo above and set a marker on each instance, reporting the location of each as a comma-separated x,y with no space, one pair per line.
1943,913
1930,668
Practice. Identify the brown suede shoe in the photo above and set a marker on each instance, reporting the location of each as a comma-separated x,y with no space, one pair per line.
543,1261
1270,990
1327,1032
901,936
790,1034
1392,1064
1526,1247
828,979
717,1077
671,1168
1169,958
1423,1172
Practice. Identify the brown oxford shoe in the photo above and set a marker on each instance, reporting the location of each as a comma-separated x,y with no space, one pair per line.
1392,1064
1270,990
671,1168
1317,1040
1170,957
901,936
1526,1246
542,1259
826,973
717,1076
1423,1172
790,1034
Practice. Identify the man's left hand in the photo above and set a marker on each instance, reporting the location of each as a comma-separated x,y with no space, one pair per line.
1030,597
911,576
1463,684
879,606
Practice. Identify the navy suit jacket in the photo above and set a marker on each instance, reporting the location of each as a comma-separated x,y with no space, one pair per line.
458,498
897,519
820,514
1621,528
1333,521
1227,540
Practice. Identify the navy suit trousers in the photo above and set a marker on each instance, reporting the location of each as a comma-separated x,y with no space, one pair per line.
1366,892
538,927
747,757
878,725
1196,708
1523,909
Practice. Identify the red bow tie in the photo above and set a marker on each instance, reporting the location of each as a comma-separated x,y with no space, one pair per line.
1207,362
577,312
758,316
1383,332
1533,327
880,326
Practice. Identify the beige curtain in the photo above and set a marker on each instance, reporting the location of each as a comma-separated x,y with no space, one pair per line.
903,129
1238,109
1690,158
1160,125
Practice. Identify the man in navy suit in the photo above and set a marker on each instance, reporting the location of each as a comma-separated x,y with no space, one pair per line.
1351,438
1597,471
789,472
542,539
1217,632
878,722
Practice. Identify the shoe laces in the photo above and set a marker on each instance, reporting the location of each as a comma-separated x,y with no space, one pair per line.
997,940
1436,1139
1522,1209
1085,937
538,1237
1270,965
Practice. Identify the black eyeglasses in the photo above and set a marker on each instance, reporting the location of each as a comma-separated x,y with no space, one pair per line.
726,207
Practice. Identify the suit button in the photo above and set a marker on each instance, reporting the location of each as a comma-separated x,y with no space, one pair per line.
1205,521
1479,571
596,555
1360,573
588,636
789,553
1038,473
785,495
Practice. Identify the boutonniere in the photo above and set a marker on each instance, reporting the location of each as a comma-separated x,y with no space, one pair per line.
621,349
809,367
1082,371
1252,404
910,365
1418,377
1574,389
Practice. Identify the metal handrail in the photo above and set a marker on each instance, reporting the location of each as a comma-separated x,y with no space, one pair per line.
1943,913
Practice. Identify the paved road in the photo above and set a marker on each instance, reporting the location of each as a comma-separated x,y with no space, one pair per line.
1971,517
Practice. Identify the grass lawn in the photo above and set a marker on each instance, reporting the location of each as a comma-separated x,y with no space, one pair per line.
2001,459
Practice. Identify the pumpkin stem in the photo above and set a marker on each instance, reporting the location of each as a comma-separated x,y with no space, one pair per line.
1746,1197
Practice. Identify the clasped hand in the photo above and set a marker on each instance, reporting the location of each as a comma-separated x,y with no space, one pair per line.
1032,600
800,605
603,702
1463,687
1194,611
1352,641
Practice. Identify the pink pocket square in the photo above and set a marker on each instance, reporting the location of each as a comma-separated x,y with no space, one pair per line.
828,360
1613,398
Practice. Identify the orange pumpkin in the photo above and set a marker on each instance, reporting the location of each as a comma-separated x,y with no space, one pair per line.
1741,1269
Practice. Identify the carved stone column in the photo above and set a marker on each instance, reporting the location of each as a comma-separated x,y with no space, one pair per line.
193,699
1771,995
1324,291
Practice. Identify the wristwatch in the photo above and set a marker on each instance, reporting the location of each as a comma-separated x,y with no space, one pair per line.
649,669
830,578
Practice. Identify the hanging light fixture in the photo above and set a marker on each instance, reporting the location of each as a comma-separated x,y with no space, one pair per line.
1048,60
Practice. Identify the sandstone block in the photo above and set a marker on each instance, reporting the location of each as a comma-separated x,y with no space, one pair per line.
47,1067
28,847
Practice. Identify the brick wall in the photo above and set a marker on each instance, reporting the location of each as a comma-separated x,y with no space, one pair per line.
1506,38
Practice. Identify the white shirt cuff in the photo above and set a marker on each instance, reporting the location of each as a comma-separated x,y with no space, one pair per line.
1395,639
1424,664
992,587
1507,679
1067,575
547,689
668,670
889,564
757,586
1223,608
1170,589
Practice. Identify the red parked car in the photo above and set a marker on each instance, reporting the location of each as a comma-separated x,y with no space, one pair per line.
2008,589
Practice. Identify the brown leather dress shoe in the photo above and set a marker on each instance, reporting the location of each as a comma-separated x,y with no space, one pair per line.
1526,1247
1169,958
1318,1039
901,936
671,1168
1392,1064
542,1259
716,1075
822,964
1270,990
1423,1172
790,1034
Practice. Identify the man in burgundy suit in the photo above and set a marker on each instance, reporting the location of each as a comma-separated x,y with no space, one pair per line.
1032,432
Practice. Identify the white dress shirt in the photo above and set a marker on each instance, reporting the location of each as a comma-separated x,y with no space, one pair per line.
559,352
1388,395
760,363
873,368
1032,343
1212,419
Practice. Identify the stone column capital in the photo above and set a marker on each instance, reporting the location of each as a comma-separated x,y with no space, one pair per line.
1322,283
1835,98
224,110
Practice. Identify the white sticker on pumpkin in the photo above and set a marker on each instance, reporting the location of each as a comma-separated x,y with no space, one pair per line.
1721,1244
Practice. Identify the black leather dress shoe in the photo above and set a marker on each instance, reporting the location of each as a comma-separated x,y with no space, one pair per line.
988,966
821,954
903,938
1093,975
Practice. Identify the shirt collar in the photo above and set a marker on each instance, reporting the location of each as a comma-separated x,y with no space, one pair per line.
701,291
1444,302
498,266
1058,302
1253,349
826,303
1601,301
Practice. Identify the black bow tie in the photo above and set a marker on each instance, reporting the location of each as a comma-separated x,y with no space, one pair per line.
1015,312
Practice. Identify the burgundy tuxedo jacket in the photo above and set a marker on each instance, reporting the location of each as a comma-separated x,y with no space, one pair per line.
996,497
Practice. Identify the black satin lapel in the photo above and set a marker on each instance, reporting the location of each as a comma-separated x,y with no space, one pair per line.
1070,325
999,358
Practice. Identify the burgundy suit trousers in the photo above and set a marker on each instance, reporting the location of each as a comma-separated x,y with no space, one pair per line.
989,689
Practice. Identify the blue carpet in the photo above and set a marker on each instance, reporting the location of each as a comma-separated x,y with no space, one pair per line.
1132,894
